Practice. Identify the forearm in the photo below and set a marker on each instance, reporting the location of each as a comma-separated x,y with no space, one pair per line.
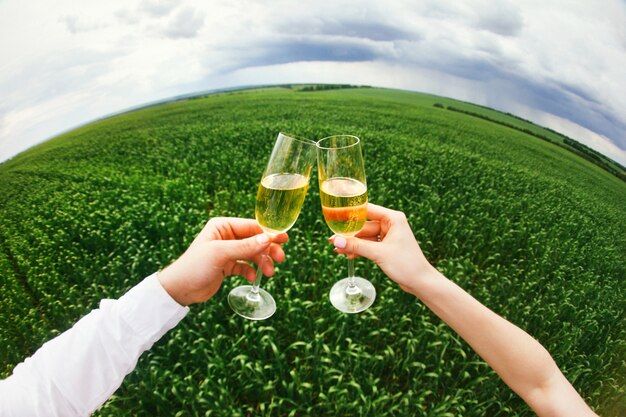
518,358
522,362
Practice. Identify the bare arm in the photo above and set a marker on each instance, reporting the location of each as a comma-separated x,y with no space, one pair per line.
522,362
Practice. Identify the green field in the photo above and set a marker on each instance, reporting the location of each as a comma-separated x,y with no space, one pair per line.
533,231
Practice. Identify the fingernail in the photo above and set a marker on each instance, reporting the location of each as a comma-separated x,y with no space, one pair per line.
262,239
340,242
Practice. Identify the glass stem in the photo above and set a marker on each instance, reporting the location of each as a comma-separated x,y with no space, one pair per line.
257,281
253,295
351,282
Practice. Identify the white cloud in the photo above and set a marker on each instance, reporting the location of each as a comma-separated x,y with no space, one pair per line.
185,24
158,8
76,25
501,17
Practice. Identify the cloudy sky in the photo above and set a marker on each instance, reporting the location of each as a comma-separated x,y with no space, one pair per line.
559,63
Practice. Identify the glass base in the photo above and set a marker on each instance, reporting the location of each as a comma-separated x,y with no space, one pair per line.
352,299
252,306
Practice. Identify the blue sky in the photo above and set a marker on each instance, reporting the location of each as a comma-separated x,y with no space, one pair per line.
558,63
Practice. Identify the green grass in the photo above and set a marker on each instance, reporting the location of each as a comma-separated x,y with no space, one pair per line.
533,231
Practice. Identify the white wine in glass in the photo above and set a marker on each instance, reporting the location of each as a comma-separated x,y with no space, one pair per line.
343,194
278,202
344,204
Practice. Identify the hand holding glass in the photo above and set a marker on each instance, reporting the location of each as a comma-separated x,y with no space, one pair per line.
278,203
343,192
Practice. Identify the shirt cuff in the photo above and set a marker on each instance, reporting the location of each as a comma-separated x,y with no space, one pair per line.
150,310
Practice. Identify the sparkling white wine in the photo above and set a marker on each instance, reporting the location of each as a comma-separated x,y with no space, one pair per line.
279,200
344,204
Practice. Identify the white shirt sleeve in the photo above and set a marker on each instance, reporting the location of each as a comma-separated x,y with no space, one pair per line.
76,372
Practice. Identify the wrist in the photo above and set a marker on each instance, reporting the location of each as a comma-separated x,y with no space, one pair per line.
167,279
424,282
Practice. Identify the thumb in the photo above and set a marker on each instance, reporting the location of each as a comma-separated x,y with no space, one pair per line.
246,248
357,246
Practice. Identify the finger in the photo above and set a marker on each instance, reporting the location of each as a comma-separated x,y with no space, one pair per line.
357,246
226,228
387,217
376,212
246,249
280,238
277,253
375,238
241,228
369,230
243,269
238,228
267,266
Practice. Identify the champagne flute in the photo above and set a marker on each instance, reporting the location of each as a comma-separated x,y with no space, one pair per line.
343,191
278,203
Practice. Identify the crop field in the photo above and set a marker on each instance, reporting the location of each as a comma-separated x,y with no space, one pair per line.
533,231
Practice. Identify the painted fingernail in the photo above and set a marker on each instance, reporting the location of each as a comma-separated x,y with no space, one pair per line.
262,239
340,242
